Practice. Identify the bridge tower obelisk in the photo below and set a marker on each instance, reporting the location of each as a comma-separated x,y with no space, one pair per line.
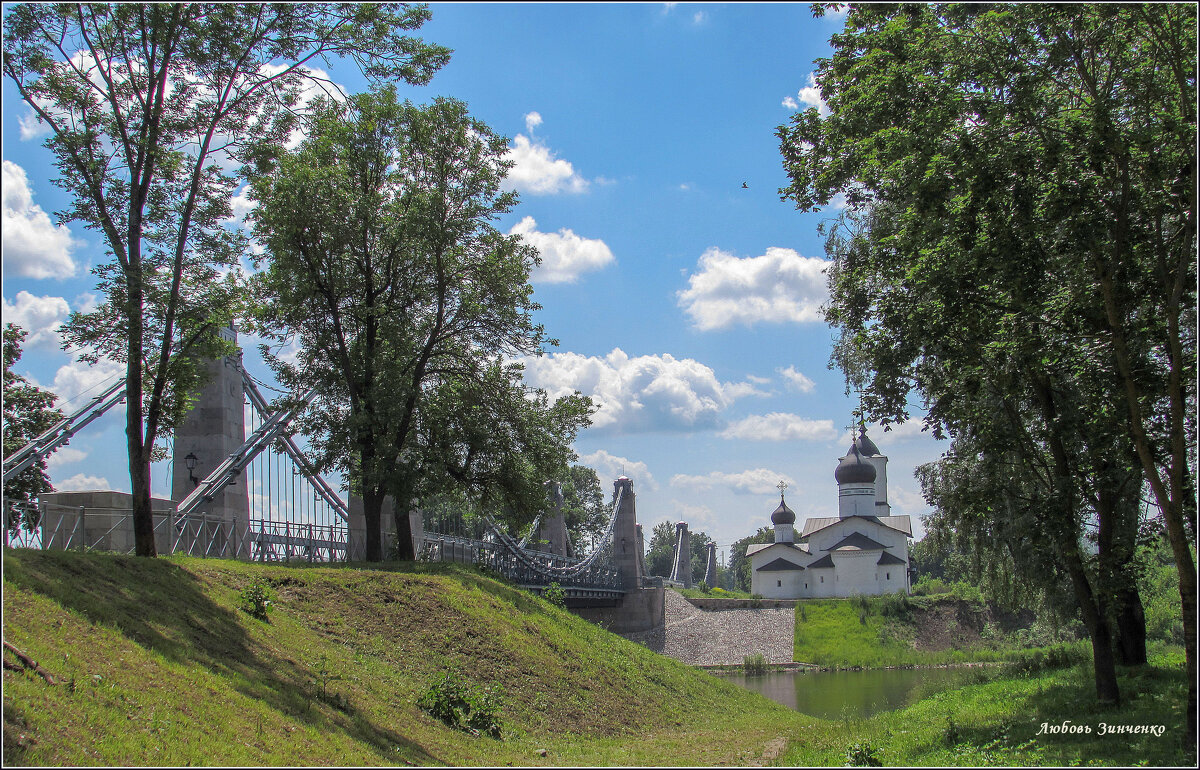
213,430
710,570
625,536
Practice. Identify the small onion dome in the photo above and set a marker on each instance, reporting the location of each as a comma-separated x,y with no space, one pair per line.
854,469
783,514
866,447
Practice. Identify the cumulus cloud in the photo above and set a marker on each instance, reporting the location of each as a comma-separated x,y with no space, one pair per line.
646,393
908,501
78,381
32,127
809,96
796,380
756,481
532,121
81,482
33,246
780,426
40,317
65,455
565,255
609,467
537,171
778,287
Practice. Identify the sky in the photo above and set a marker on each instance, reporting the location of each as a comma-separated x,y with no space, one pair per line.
684,293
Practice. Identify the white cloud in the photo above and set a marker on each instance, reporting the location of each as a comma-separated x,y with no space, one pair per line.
911,503
809,96
538,172
909,429
31,126
646,393
532,121
756,481
565,255
81,482
699,17
609,467
40,317
778,287
698,517
78,379
65,455
779,426
796,380
33,246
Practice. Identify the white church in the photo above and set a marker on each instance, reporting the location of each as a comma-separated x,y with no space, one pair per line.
861,551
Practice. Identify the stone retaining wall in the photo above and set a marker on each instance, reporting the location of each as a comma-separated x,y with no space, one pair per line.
741,604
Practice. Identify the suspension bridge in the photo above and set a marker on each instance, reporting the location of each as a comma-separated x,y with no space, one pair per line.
242,487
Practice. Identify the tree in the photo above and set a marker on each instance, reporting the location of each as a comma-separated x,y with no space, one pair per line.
1022,182
148,106
583,506
28,412
698,543
385,270
739,563
660,551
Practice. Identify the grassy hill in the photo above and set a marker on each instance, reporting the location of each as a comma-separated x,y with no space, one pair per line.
155,664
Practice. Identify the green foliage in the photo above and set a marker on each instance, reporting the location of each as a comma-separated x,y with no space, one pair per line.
863,755
28,412
469,707
584,508
755,665
255,600
554,594
756,601
424,301
143,129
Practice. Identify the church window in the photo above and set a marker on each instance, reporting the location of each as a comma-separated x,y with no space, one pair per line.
779,584
822,578
888,576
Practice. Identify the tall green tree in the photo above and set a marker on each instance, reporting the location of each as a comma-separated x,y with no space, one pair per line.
385,269
1024,181
660,549
583,507
28,412
149,106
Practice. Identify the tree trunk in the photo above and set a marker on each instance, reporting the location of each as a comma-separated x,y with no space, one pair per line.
404,535
1103,662
139,452
372,514
1131,628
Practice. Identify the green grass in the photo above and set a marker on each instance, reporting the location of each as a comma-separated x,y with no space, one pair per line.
996,724
874,632
712,593
155,664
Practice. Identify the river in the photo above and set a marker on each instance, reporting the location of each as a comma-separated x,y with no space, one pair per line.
857,694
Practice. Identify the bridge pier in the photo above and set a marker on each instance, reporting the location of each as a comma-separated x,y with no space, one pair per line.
214,429
643,606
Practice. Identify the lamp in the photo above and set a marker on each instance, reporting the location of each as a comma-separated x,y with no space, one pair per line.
190,460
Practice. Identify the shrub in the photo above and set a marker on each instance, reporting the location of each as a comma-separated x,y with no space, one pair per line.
554,594
255,600
704,589
755,665
928,586
863,755
951,735
895,605
756,601
470,708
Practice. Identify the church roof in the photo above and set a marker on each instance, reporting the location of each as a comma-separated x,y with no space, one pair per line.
779,565
818,523
857,541
866,447
854,468
824,561
754,548
783,514
887,558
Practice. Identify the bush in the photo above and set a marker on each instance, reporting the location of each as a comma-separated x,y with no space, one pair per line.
863,755
470,708
895,605
554,594
755,665
704,589
756,601
255,600
928,586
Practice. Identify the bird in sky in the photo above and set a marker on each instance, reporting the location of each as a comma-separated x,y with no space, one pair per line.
745,186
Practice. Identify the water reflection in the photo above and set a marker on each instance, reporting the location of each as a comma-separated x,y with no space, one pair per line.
856,694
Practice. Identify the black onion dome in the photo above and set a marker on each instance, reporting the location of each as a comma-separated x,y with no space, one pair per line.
783,514
866,447
854,468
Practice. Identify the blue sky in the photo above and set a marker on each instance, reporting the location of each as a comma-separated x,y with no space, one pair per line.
685,303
